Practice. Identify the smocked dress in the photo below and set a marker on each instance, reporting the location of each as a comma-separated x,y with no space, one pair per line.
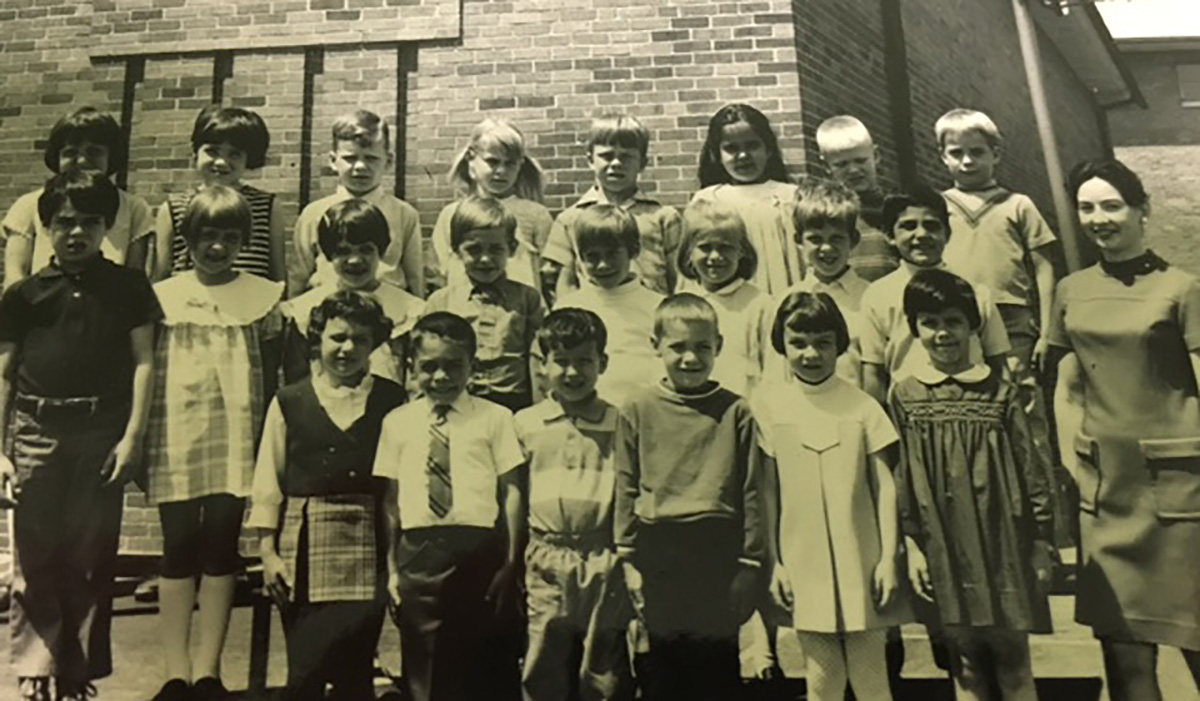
1138,452
973,497
208,405
766,210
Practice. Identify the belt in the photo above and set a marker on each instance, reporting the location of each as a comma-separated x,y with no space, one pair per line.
50,408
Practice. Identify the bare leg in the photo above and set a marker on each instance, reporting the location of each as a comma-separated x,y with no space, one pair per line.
176,599
216,604
825,666
866,665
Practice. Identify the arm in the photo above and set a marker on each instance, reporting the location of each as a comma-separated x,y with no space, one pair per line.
875,381
278,243
628,479
18,256
391,520
412,259
267,502
1043,271
885,513
672,227
8,354
440,239
303,262
117,469
164,241
136,256
502,589
1069,406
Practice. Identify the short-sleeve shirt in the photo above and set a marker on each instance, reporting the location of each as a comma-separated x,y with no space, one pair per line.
658,229
992,234
72,329
134,220
874,256
483,446
571,469
885,339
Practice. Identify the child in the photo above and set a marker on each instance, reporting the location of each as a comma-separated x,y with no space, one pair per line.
607,239
76,361
217,357
715,255
831,505
88,140
974,507
687,511
617,151
504,313
741,166
352,234
361,155
494,164
226,142
919,225
578,609
853,159
451,571
324,560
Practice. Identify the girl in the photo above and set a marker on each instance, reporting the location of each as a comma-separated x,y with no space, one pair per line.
831,505
226,142
494,165
973,500
324,562
717,260
217,355
741,166
88,140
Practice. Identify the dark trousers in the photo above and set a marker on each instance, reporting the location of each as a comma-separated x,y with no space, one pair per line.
331,643
66,528
454,645
687,576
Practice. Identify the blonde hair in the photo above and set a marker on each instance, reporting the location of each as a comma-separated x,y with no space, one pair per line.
497,132
842,133
703,218
961,121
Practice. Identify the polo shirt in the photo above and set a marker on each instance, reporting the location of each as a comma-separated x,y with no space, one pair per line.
571,470
72,329
659,230
483,446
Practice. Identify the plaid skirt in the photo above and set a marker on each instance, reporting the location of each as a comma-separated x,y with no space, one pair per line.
339,538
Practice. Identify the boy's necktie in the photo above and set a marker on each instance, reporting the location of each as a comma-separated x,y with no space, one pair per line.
437,468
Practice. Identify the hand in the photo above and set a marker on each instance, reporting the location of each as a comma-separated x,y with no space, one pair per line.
633,583
1038,358
742,592
883,583
781,588
500,593
918,572
393,594
276,580
118,468
1044,557
8,483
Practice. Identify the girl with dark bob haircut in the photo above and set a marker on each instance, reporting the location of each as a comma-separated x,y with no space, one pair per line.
934,291
809,312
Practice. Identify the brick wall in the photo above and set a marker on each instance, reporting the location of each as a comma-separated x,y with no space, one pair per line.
1162,144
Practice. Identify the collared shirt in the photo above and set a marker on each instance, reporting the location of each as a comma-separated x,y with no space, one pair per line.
886,339
533,229
571,469
483,447
847,292
402,264
72,329
659,231
930,375
505,316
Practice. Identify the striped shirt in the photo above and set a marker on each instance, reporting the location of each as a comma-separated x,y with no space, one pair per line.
255,256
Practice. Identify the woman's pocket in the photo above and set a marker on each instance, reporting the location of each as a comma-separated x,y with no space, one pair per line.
1087,476
1174,467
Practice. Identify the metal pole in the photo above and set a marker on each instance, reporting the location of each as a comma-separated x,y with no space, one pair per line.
1027,33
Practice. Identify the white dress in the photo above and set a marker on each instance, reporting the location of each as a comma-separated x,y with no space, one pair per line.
766,210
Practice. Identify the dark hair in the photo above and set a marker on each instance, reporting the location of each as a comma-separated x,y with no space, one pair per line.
353,307
240,127
704,217
354,222
88,124
570,327
88,192
474,213
919,195
619,130
363,128
608,226
711,172
215,206
684,307
933,291
822,203
447,326
1113,172
809,312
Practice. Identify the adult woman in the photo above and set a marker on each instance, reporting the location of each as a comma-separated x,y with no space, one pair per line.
1127,401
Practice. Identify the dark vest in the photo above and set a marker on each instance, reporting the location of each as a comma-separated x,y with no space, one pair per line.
322,459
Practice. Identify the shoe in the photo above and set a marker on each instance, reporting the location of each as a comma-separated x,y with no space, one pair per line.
83,693
174,690
209,689
34,688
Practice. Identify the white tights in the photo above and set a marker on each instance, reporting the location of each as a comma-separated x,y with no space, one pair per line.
832,659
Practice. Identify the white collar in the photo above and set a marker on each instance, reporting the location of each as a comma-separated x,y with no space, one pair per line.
927,374
322,386
727,290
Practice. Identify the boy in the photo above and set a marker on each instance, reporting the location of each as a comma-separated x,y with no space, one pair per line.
351,234
361,155
853,159
578,609
687,511
76,341
607,239
504,313
617,151
447,457
919,225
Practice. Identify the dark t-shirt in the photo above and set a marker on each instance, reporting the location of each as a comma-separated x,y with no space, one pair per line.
72,329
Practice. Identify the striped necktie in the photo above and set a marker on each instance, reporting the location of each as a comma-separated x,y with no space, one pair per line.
437,468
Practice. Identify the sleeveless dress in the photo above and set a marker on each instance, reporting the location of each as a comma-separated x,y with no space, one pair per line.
255,256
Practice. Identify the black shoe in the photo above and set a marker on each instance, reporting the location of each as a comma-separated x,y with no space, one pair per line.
209,689
174,690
